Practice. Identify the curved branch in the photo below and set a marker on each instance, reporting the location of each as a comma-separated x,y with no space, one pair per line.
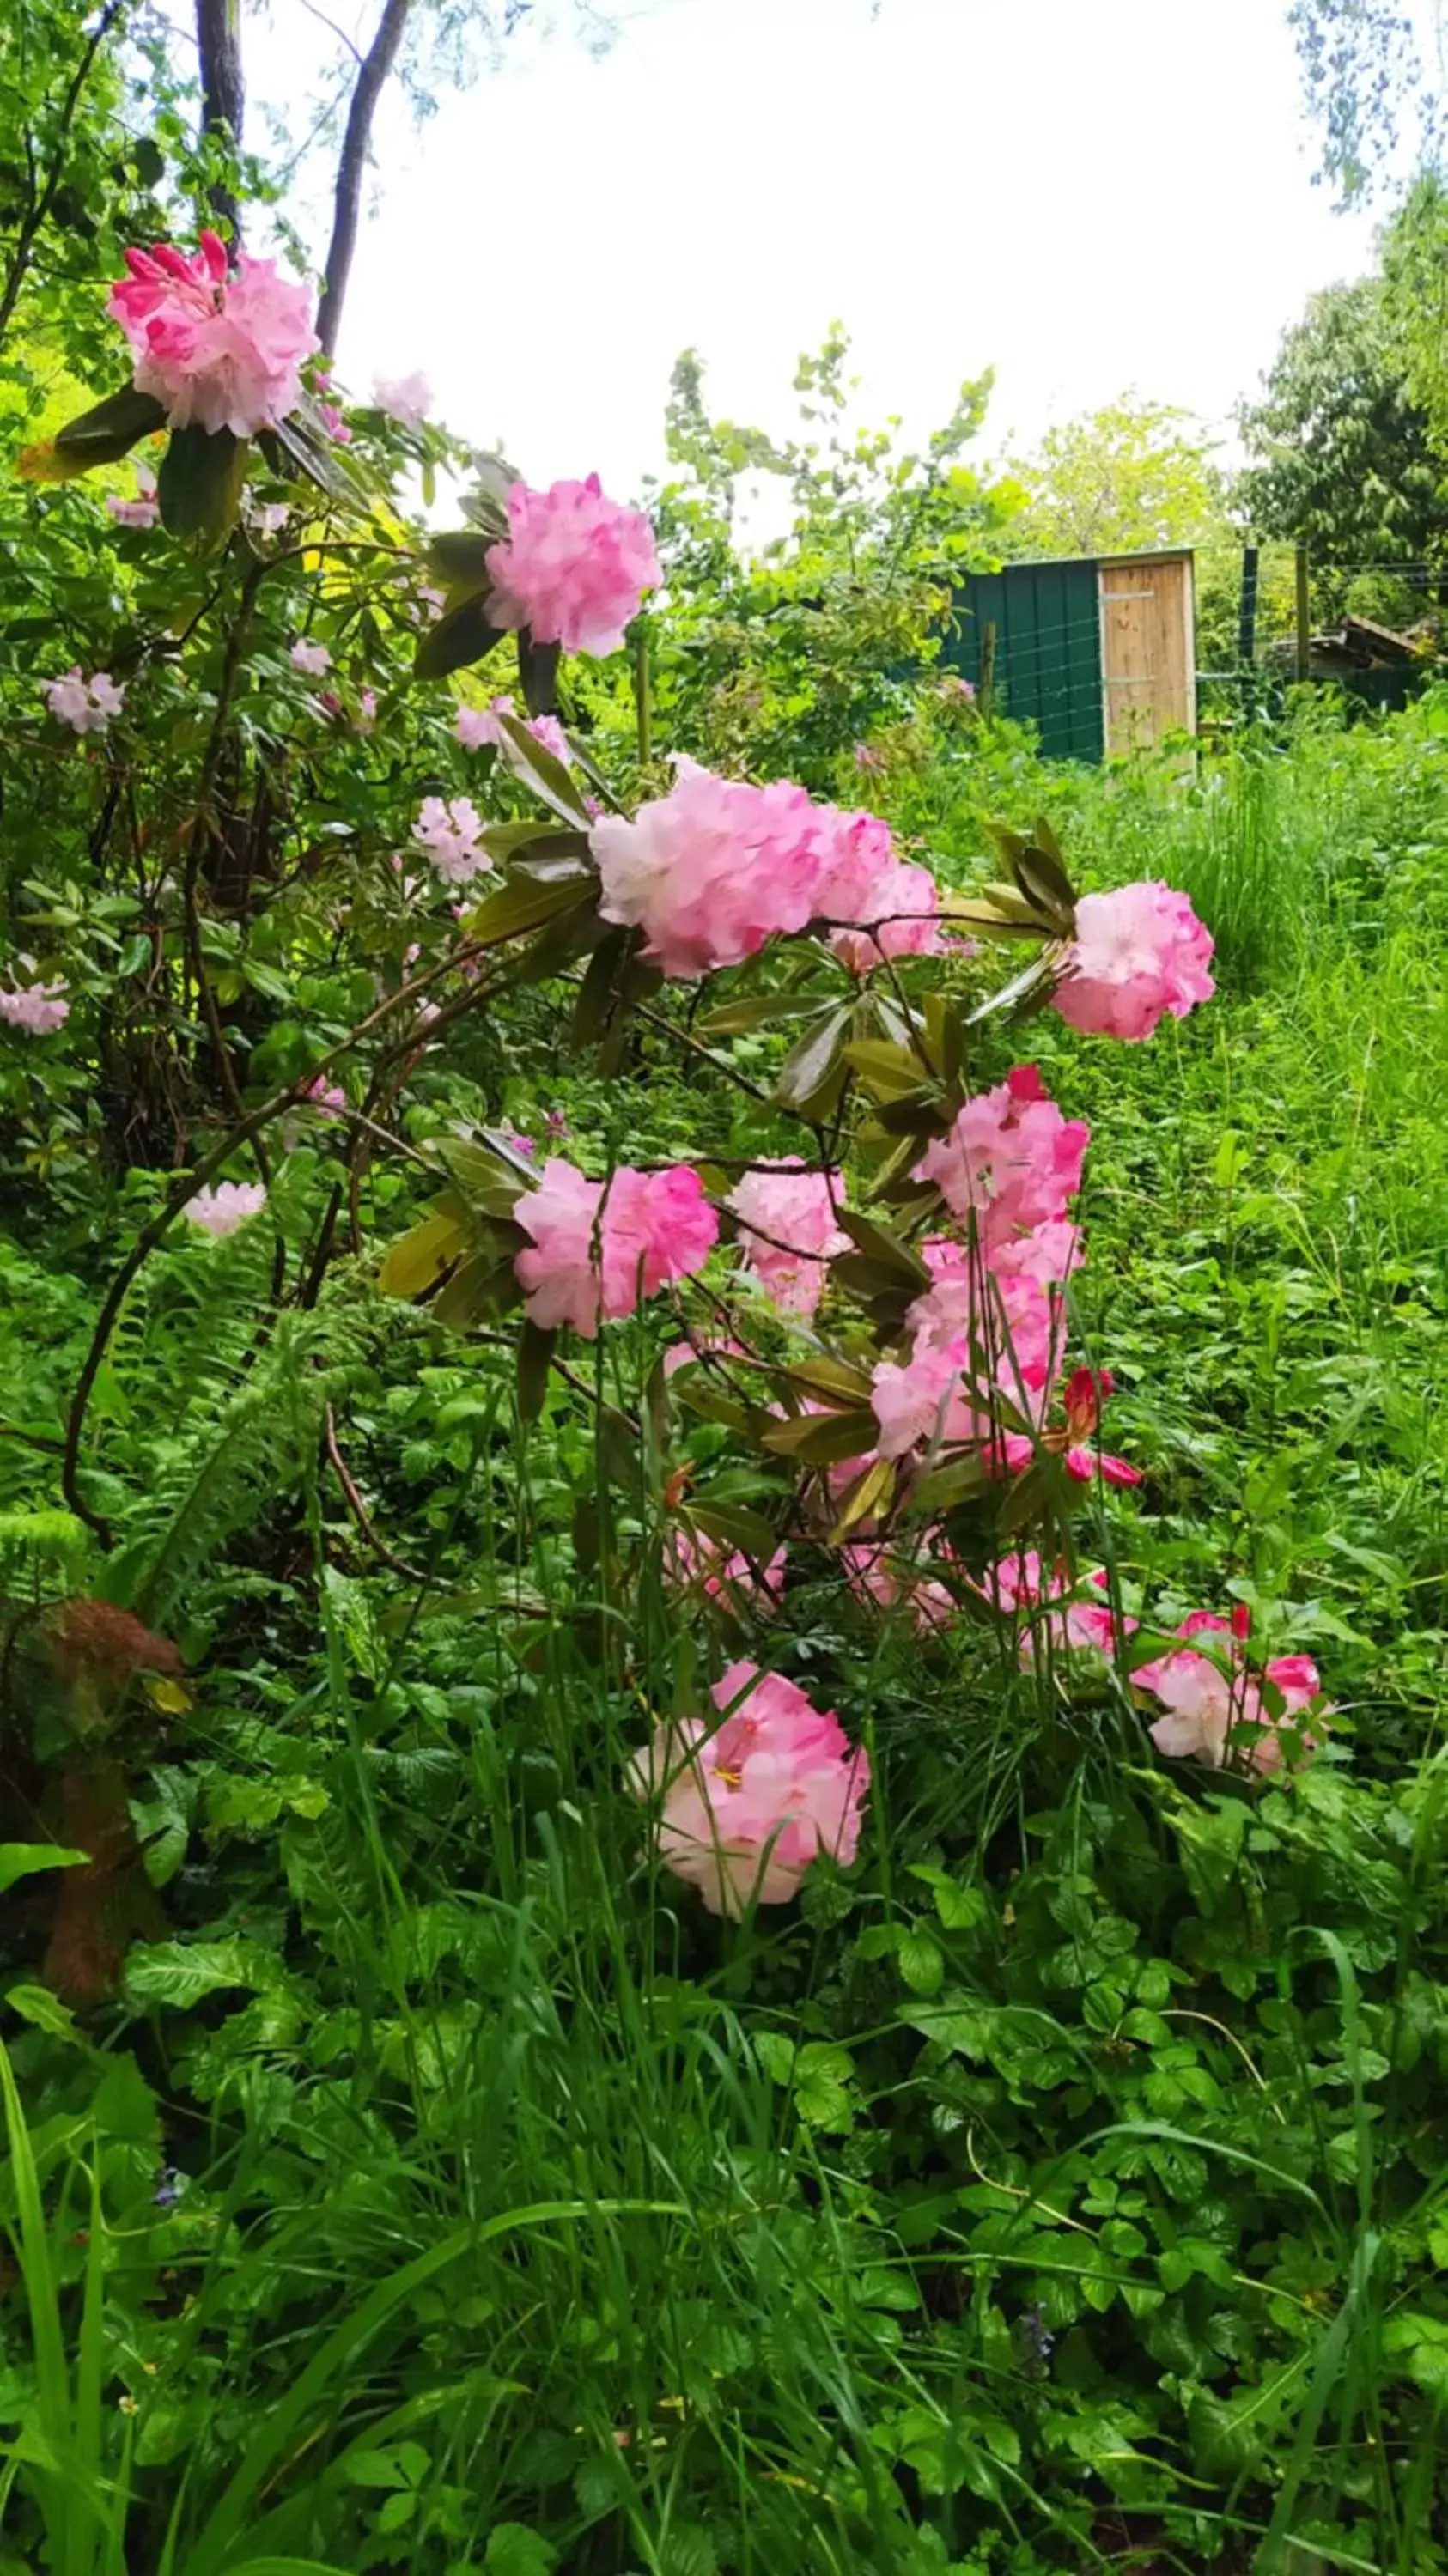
352,167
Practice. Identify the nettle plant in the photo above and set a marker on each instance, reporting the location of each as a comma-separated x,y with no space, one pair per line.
875,1317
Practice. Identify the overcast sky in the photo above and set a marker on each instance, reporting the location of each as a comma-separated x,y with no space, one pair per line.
1086,195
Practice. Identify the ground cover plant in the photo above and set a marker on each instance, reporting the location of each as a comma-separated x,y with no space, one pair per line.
723,1538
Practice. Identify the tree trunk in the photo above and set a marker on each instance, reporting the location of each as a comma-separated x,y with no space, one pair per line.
223,92
352,167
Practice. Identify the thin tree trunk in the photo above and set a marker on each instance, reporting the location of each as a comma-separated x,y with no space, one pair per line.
352,167
223,92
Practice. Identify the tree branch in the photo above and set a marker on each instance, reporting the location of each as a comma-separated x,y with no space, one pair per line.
41,200
352,167
223,93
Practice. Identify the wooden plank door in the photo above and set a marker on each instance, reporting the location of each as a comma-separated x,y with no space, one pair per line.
1148,682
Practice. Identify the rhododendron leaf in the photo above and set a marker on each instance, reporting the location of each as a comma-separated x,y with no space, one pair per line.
486,1171
829,1378
199,483
881,1245
878,1288
530,761
416,1262
957,1481
886,1071
736,1527
1044,880
1020,907
460,561
869,1493
918,1114
556,858
812,1074
110,429
597,992
538,673
695,1391
488,505
1033,986
305,438
824,1440
994,923
460,637
505,840
521,905
755,1011
535,1354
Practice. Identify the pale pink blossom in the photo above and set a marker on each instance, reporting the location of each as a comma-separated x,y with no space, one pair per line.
327,1098
1137,953
1011,1160
735,1581
39,1009
222,351
87,706
573,567
892,1581
366,715
864,879
144,510
1020,1589
334,424
314,659
788,1231
230,1205
407,399
477,727
450,832
684,1354
1205,1698
597,1247
744,1810
709,871
266,518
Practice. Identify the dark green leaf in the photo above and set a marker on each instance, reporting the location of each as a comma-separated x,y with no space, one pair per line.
461,636
535,1354
110,429
199,483
816,1065
538,674
521,905
460,561
885,1248
824,1439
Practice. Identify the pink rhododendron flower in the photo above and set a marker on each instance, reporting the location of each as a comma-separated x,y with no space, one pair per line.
1086,1392
229,1205
366,715
598,1247
267,518
891,1581
863,879
450,831
746,1809
1137,953
1204,1700
788,1231
327,1098
709,871
87,706
314,659
1019,1588
334,424
144,511
477,726
221,351
735,1581
573,566
1010,1159
407,399
39,1009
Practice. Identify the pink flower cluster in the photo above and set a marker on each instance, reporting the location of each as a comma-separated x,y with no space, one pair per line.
864,879
1207,1697
314,659
39,1009
450,832
598,1247
405,399
87,706
788,1231
477,727
223,1210
891,1581
573,567
144,511
716,867
744,1810
1137,953
733,1580
221,350
1010,1162
1020,1588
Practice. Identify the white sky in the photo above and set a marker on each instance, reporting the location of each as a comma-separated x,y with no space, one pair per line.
1088,195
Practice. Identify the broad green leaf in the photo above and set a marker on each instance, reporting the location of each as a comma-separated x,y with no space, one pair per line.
521,904
878,1243
535,1354
539,769
180,1973
199,483
109,430
813,1073
755,1011
21,1860
418,1260
824,1439
460,637
459,558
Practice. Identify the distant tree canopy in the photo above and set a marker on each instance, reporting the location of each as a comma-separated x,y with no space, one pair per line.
1342,456
1125,479
1364,87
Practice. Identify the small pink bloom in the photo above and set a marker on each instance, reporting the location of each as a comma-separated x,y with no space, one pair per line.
326,1098
573,568
745,1810
788,1231
1011,1160
366,715
314,659
267,518
450,832
87,706
334,424
734,1580
1205,1700
407,399
230,1205
39,1009
709,871
1137,953
144,511
867,756
865,880
892,1581
217,349
598,1247
477,727
1019,1588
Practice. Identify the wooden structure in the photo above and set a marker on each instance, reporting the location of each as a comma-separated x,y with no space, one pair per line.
1098,652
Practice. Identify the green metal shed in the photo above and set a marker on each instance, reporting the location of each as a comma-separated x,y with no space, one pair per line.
1098,652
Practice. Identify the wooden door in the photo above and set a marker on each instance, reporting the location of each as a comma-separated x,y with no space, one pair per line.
1148,678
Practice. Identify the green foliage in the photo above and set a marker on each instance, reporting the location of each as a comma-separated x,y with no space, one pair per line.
1123,480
